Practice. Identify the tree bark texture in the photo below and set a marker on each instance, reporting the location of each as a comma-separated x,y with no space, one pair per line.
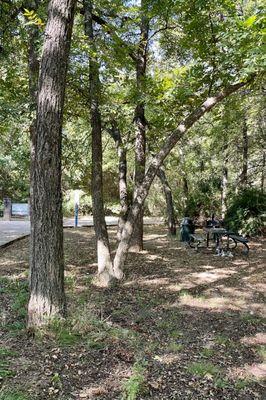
33,74
47,297
224,185
140,123
122,172
262,182
171,218
156,163
184,179
105,267
244,172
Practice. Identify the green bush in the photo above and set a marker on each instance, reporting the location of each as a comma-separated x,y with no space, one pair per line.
246,212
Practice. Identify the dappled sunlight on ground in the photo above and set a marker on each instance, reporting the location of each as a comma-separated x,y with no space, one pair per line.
258,338
254,371
193,320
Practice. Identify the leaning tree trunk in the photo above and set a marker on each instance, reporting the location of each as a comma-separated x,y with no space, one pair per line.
171,218
156,163
105,268
140,122
47,297
122,172
244,172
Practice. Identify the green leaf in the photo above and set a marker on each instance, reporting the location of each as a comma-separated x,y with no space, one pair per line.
250,21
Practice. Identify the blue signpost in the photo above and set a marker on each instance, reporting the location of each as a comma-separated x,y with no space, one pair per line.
76,209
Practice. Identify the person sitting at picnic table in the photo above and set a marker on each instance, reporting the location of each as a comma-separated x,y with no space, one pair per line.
212,223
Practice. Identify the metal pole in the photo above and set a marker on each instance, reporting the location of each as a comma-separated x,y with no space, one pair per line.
76,214
76,209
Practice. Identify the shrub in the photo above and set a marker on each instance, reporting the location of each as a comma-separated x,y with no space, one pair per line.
245,212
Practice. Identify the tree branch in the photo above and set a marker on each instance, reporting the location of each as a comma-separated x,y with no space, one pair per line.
110,29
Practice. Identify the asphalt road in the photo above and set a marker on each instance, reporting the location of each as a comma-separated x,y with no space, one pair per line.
13,230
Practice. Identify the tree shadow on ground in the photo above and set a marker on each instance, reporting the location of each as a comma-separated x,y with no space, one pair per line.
192,320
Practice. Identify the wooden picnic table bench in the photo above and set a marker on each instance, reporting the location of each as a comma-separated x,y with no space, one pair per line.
239,239
197,240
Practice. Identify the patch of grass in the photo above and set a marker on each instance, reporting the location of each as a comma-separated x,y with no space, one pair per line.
70,282
125,311
56,380
252,319
241,384
5,371
175,334
13,395
63,333
206,352
221,383
175,347
5,352
15,328
262,352
203,369
88,280
135,384
20,303
223,340
18,291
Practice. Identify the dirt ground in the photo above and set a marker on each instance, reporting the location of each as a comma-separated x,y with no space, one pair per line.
182,325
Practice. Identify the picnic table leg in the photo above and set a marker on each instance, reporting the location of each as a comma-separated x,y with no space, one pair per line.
218,241
227,244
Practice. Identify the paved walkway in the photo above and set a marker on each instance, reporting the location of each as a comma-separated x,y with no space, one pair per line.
13,230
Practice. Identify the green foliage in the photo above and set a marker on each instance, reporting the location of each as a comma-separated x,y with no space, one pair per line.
5,370
207,353
17,291
6,394
245,213
134,385
33,18
203,369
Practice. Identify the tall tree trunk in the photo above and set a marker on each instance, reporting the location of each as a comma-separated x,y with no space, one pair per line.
171,218
140,122
224,180
105,268
184,178
122,172
47,297
156,163
262,182
244,172
33,73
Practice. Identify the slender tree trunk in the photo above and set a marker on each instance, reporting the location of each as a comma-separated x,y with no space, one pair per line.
140,122
262,184
122,172
244,172
47,297
224,180
184,178
105,268
156,163
171,218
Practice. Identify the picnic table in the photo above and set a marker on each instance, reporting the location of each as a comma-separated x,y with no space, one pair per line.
218,234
